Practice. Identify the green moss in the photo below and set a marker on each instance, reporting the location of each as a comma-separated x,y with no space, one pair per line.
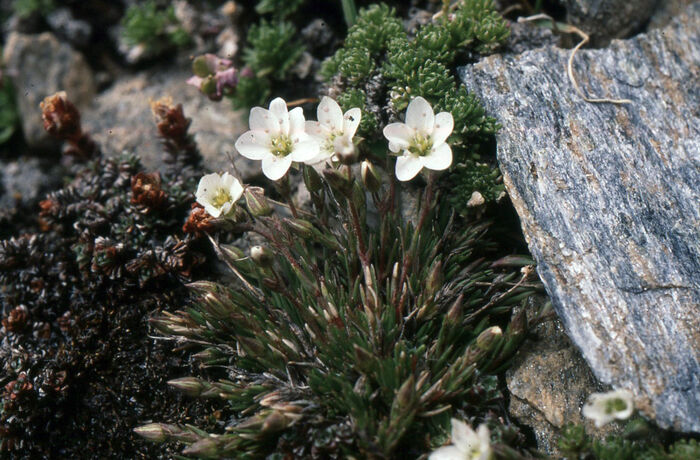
357,98
156,28
478,26
575,443
375,27
25,8
272,49
469,176
280,9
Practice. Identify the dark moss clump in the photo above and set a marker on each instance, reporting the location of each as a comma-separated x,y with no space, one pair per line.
80,371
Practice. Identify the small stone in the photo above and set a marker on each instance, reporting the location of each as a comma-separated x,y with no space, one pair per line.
475,200
40,65
121,119
74,30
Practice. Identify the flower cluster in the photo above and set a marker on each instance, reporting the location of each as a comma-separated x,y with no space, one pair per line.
279,137
213,76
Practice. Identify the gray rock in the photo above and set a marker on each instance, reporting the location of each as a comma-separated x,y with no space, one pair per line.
548,383
609,201
23,182
527,36
121,119
607,19
667,10
74,30
40,65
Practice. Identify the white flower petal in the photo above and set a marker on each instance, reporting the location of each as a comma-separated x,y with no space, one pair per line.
278,108
394,148
444,124
329,114
235,190
315,129
274,167
210,209
296,122
207,184
399,135
484,439
407,167
448,453
420,116
439,158
305,151
462,435
226,207
351,120
262,120
254,145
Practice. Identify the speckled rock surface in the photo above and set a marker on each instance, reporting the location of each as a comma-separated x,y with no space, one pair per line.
548,383
120,119
607,19
666,10
40,65
609,201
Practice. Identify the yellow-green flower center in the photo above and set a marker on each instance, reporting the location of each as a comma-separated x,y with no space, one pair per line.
221,197
615,405
281,146
328,144
420,145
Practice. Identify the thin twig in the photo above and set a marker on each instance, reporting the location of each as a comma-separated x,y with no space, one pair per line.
585,38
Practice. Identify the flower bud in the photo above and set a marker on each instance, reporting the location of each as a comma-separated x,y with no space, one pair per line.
435,278
370,177
156,432
274,422
406,393
231,252
188,385
200,66
207,448
256,201
208,86
300,227
311,179
339,181
261,256
455,313
486,340
345,150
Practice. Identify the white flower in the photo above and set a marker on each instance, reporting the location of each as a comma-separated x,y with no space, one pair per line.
466,444
218,193
331,126
277,137
422,140
606,407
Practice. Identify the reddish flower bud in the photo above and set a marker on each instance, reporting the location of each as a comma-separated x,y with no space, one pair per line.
146,191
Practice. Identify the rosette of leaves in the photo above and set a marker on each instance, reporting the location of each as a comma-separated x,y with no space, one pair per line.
380,68
352,332
153,26
75,294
